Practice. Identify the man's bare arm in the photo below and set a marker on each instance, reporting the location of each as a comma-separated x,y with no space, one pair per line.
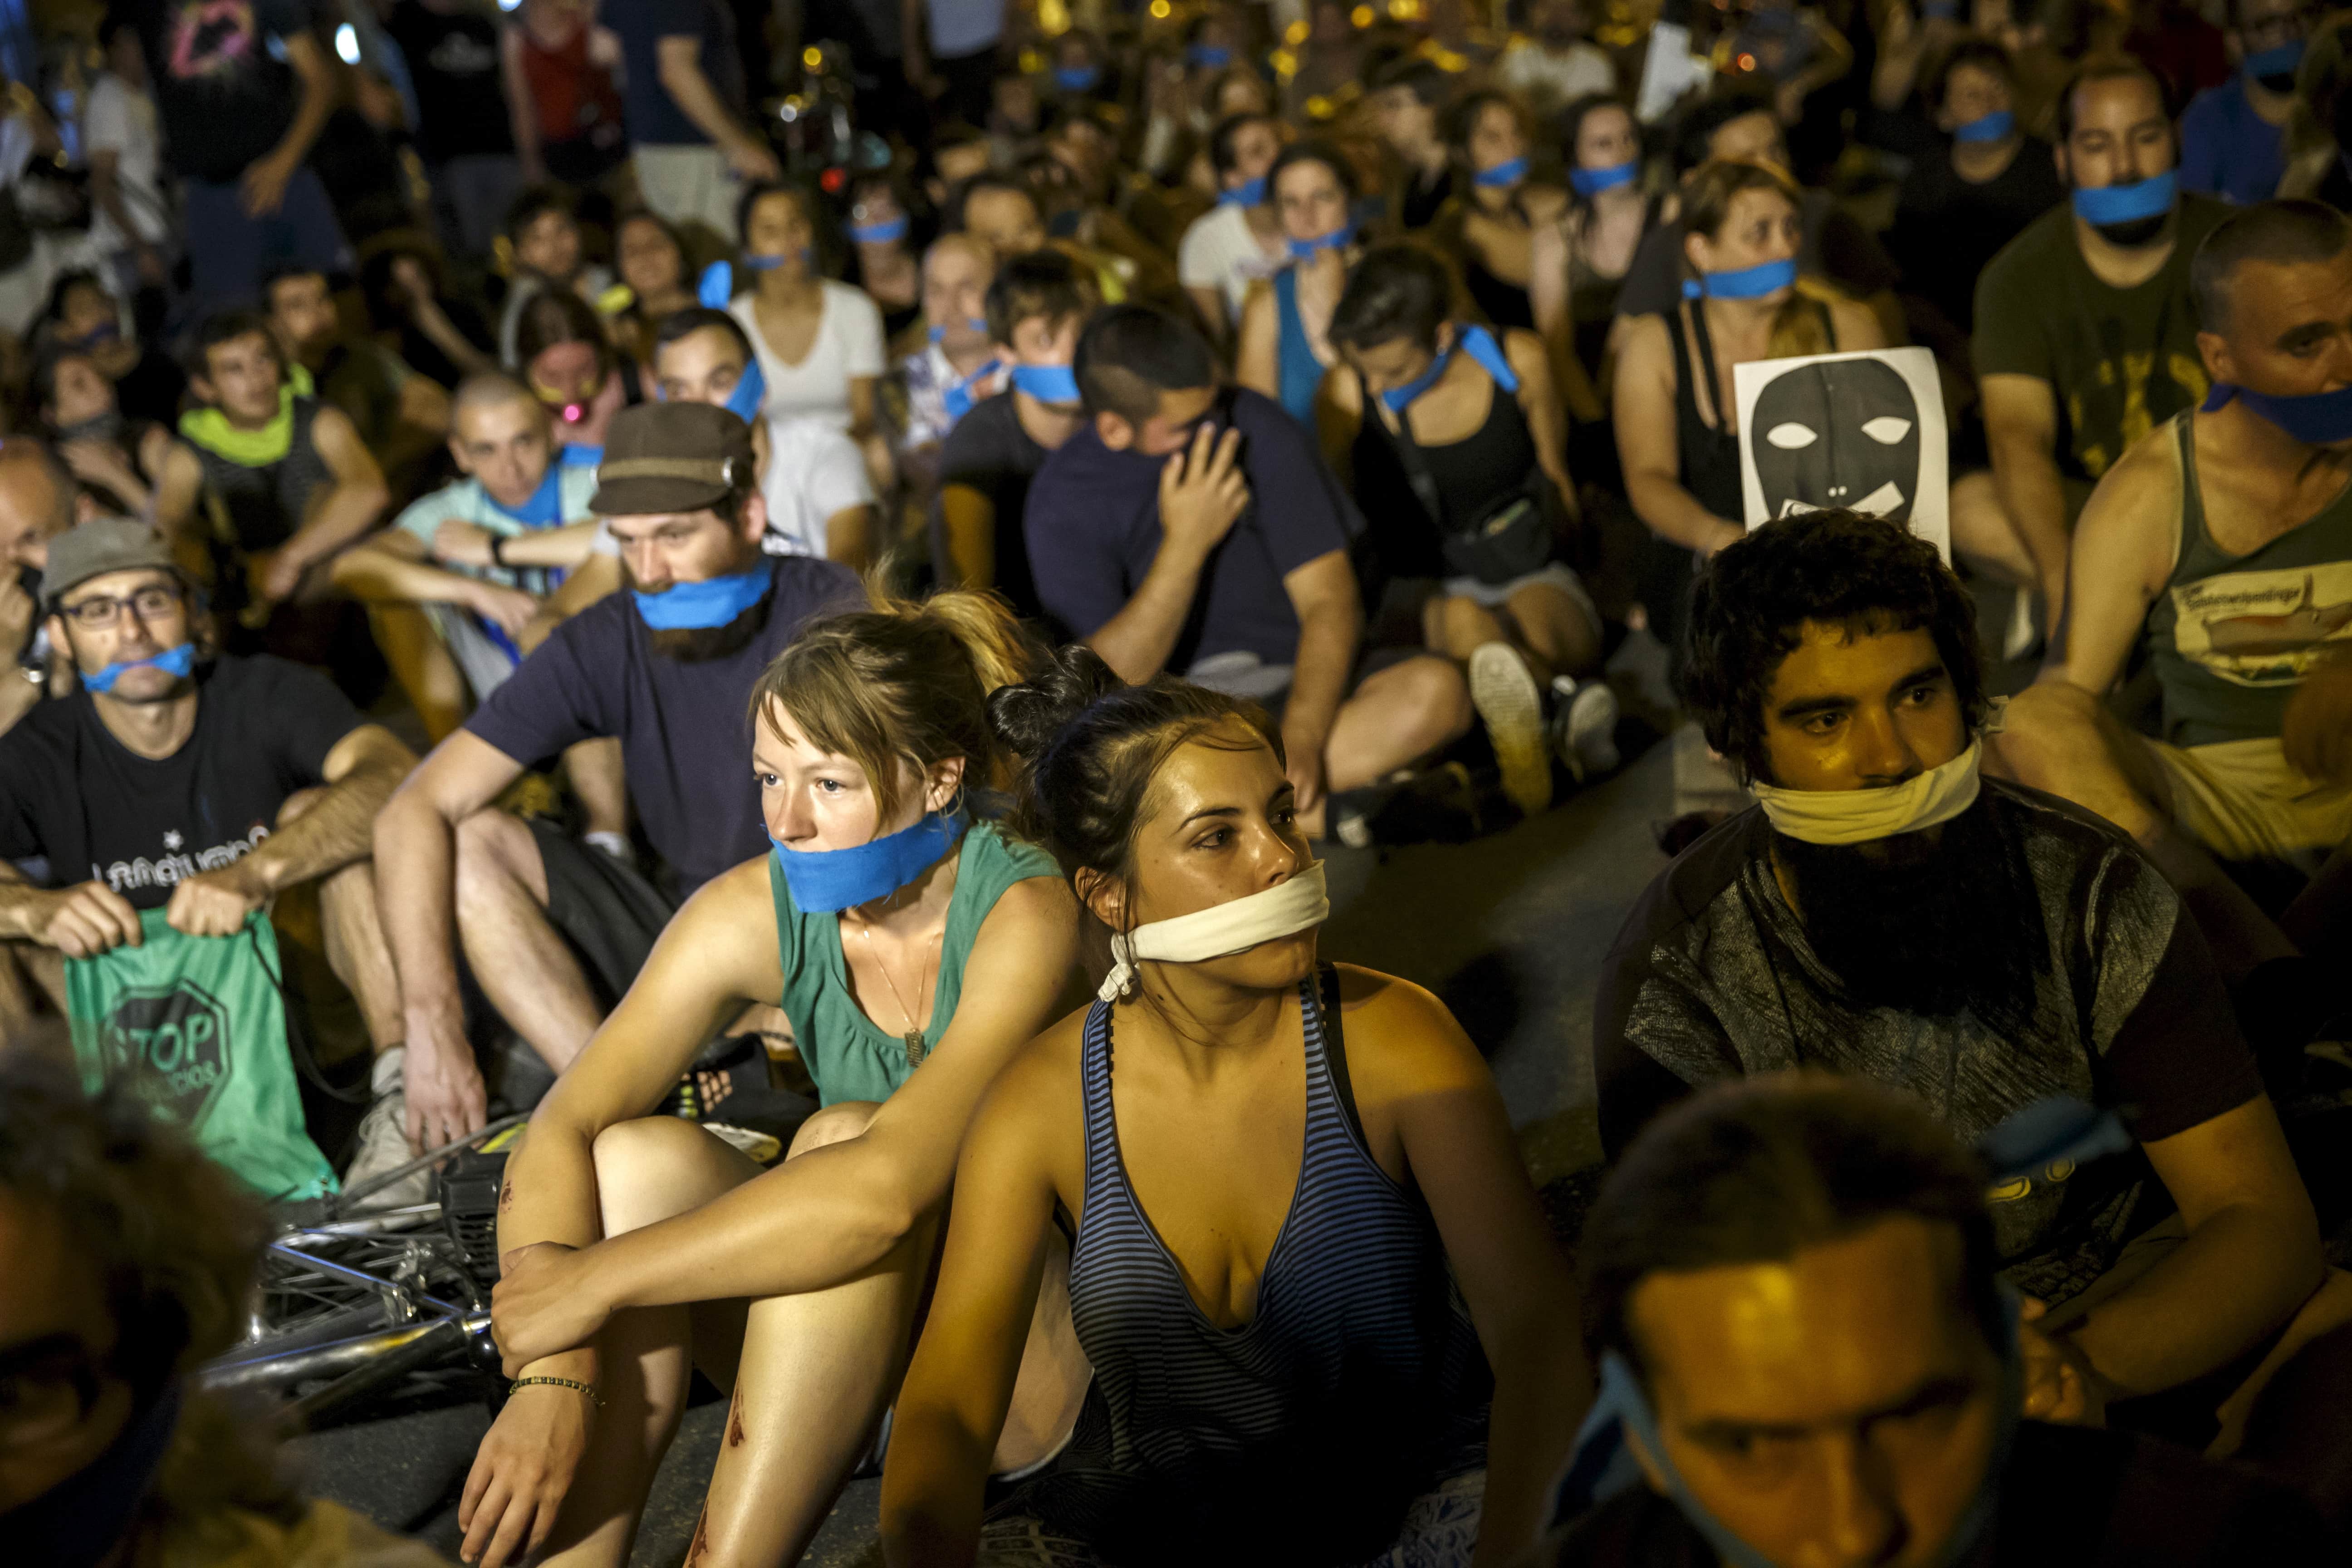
2128,528
361,772
2020,415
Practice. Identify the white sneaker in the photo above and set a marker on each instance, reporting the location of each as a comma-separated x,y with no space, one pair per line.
1584,727
1510,705
384,1141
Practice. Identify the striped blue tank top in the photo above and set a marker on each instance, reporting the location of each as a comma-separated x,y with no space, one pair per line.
1300,1437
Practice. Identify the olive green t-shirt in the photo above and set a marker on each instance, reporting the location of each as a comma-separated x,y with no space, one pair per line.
2121,361
848,1053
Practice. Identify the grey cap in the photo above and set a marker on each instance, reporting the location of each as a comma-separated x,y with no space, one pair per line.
93,549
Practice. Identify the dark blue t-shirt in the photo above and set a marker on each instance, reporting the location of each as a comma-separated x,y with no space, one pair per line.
2229,151
686,743
1093,527
654,117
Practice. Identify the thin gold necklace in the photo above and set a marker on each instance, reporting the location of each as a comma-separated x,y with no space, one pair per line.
913,1037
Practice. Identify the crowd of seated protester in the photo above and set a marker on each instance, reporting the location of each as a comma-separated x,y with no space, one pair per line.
804,598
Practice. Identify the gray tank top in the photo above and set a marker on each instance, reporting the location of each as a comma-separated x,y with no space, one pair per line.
2232,636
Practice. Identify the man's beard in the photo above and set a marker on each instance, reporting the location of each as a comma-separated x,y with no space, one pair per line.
700,644
1929,923
2131,235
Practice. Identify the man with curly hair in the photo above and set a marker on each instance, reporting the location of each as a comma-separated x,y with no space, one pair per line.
126,1261
1887,912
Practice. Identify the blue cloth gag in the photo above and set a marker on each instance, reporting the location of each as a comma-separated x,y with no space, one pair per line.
716,286
1742,282
825,880
1991,127
2314,418
881,233
1503,175
698,606
1249,194
1054,384
1479,344
2267,66
1304,249
2151,197
1076,78
178,661
959,397
1209,57
1592,182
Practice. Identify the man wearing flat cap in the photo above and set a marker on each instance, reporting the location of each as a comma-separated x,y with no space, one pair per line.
180,779
554,930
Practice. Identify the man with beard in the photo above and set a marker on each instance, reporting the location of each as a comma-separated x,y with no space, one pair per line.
1886,913
555,932
2085,338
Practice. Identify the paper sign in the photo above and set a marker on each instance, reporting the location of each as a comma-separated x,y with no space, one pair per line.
1861,430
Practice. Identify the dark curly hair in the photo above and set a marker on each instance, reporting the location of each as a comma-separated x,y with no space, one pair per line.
1090,745
1843,567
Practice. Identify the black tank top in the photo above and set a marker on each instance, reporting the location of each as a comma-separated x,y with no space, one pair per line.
263,505
1491,462
1709,456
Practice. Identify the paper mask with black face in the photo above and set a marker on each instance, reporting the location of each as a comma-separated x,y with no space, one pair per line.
1842,434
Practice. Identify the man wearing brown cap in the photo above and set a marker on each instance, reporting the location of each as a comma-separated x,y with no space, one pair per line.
199,784
554,932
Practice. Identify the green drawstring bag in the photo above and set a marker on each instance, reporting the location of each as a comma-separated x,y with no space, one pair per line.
199,1019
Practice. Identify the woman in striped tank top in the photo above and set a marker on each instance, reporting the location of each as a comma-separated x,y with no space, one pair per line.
1299,1231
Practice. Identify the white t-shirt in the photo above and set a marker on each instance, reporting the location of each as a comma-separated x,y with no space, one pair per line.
1550,82
1220,252
116,119
848,344
814,470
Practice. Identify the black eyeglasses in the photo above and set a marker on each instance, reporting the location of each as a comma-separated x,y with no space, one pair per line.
149,604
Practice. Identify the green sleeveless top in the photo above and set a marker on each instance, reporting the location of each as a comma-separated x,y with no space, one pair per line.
848,1053
2232,636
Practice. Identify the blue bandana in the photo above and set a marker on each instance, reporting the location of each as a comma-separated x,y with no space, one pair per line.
1742,283
2151,197
824,882
1592,182
770,263
751,394
1076,78
1502,176
976,323
1054,384
1479,344
880,233
2315,419
178,661
579,454
545,507
960,398
1249,194
2278,61
1304,249
1993,127
1209,57
698,606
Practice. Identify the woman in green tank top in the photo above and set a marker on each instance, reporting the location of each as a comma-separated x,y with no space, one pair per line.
915,953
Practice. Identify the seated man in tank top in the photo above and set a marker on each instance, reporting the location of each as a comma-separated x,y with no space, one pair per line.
1193,530
2224,539
1885,912
270,485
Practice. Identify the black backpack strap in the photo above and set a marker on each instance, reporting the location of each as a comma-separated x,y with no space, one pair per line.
1409,458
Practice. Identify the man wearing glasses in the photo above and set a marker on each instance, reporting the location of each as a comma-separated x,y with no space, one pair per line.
203,785
2234,137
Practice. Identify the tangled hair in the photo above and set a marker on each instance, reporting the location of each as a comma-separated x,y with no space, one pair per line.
173,1239
1091,745
1397,291
1756,1170
1843,568
902,679
1706,207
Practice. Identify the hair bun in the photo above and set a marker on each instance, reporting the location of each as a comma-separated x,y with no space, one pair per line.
1028,716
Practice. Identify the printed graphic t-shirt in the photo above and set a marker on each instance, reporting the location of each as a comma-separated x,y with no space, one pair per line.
2121,361
453,58
225,94
72,793
1713,978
